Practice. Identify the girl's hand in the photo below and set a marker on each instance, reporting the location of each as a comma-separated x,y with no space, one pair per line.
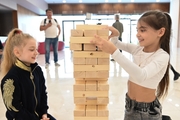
44,117
104,45
114,32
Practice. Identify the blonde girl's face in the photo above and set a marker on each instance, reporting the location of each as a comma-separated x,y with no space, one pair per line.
147,36
28,53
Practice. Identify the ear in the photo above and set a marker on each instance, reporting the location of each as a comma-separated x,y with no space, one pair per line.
16,52
161,32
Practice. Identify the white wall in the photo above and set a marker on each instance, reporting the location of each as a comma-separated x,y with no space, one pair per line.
174,12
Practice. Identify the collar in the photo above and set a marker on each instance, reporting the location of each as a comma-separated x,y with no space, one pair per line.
21,65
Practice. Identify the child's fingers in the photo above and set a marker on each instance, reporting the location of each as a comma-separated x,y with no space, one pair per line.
95,39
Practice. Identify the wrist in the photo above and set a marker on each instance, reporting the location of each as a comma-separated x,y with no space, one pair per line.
113,50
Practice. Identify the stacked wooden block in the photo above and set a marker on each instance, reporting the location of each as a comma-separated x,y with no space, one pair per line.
91,72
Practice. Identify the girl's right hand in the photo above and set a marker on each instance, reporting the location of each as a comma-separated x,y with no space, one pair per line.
114,32
103,44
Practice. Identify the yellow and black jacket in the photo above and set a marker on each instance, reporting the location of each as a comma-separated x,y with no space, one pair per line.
24,92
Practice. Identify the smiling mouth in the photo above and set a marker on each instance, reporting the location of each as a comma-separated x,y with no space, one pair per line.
141,40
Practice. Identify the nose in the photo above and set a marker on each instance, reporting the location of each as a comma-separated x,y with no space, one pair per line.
137,34
37,53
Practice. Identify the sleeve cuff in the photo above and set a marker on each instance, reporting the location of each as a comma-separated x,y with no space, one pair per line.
115,54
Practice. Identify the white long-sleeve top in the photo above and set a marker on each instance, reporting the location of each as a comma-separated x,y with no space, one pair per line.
147,69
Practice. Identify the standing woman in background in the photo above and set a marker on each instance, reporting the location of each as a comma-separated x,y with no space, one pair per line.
23,84
149,71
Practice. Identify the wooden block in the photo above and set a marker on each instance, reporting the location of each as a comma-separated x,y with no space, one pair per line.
103,61
91,100
97,79
103,32
98,49
80,100
76,46
91,68
91,74
91,118
79,74
79,61
90,33
91,85
102,74
90,27
79,86
91,93
79,110
91,111
89,47
76,33
90,54
102,86
102,100
102,111
84,39
86,101
91,61
97,74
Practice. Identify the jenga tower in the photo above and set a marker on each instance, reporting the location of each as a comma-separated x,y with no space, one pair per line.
91,72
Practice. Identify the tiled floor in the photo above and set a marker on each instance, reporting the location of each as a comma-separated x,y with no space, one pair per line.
60,89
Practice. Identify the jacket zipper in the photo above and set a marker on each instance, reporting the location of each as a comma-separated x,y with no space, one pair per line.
32,77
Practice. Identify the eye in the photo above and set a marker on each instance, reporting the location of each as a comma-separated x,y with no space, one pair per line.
32,49
143,30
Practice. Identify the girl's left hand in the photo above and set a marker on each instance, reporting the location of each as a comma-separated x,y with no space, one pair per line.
44,117
104,45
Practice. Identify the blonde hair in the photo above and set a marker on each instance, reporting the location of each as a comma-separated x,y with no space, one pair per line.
16,38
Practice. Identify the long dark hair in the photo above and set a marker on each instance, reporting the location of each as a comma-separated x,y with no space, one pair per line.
157,20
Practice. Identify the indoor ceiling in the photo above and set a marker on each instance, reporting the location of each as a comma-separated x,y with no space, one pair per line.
104,1
2,8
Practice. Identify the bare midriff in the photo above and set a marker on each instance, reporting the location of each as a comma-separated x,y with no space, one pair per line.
139,93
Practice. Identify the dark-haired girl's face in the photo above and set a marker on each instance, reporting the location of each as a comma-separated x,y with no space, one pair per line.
147,36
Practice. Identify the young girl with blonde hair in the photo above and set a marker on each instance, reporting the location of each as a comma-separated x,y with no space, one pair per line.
23,84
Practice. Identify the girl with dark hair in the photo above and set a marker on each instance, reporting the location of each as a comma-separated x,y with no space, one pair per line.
149,71
23,84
